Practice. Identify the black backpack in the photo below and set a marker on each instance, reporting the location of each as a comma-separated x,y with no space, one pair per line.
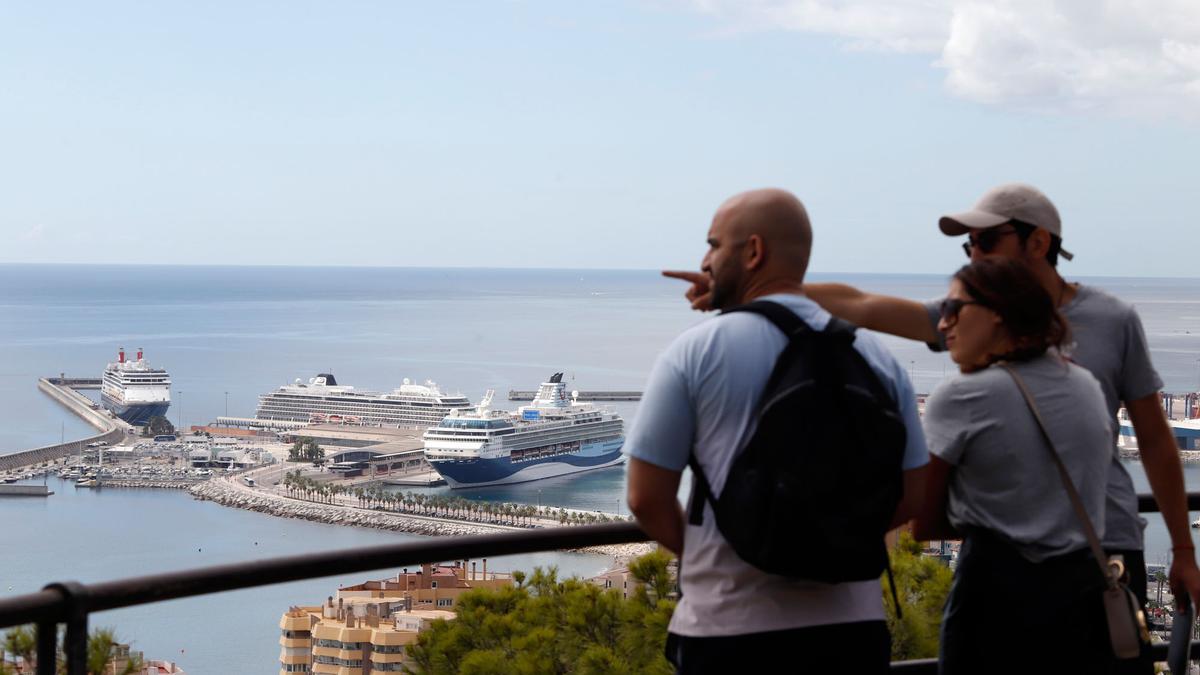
813,492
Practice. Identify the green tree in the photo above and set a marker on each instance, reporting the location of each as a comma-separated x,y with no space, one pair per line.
306,450
102,648
922,583
21,641
157,426
547,625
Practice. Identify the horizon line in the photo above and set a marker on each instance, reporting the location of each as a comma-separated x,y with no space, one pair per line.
511,269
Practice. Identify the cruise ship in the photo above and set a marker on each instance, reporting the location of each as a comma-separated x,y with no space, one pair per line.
322,399
134,391
553,436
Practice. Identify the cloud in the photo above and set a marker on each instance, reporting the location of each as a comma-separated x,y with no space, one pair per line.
1128,57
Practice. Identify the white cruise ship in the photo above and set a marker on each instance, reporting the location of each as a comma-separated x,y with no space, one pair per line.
134,391
322,399
553,436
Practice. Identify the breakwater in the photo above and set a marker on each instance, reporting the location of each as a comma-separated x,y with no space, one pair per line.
112,431
24,491
227,494
154,484
230,494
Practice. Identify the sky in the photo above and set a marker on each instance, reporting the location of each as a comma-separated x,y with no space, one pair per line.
589,134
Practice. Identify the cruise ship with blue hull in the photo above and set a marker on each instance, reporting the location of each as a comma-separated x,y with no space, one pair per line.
137,415
553,436
134,391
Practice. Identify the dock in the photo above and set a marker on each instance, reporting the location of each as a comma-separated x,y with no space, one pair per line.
430,479
25,491
112,429
524,395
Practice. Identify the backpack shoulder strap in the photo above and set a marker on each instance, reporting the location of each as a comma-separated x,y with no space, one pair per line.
783,318
787,321
701,493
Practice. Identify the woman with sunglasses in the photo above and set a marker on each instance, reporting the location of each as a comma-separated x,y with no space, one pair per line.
1026,584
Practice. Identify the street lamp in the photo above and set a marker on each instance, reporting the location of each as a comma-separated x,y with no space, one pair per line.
180,395
227,404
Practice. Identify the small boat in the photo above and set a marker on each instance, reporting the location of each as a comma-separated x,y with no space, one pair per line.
87,481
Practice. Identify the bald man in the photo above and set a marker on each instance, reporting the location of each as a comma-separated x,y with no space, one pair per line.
701,401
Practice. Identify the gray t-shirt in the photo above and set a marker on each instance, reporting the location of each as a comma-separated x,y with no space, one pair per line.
701,399
1004,478
1108,340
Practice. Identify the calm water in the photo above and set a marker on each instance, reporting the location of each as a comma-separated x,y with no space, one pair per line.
230,334
98,535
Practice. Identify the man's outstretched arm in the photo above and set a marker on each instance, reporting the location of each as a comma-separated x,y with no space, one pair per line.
1160,458
882,313
651,495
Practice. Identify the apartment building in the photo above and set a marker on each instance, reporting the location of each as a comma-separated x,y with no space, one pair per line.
366,627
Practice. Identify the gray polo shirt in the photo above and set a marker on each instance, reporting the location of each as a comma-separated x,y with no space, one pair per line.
1004,478
1108,340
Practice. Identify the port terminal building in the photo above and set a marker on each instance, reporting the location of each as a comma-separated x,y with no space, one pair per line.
360,451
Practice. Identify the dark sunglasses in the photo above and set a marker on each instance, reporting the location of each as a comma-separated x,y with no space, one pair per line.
950,308
986,240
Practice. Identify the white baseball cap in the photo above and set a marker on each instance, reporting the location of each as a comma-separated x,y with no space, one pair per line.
999,205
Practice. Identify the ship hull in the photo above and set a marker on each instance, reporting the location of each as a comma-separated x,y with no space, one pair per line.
471,473
135,414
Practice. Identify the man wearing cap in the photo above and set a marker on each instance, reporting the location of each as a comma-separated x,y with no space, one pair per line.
1018,221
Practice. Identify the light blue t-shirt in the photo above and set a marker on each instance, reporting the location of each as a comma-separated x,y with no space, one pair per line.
701,398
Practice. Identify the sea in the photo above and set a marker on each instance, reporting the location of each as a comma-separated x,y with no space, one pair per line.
230,334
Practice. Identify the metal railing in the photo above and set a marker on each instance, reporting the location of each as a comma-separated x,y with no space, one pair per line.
71,603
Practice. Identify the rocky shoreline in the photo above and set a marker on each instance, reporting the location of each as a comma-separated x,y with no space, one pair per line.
227,494
1185,456
155,484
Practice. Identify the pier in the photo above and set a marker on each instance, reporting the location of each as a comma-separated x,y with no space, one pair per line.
25,491
62,389
523,395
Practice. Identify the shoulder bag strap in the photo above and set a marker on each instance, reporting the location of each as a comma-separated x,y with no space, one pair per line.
1076,501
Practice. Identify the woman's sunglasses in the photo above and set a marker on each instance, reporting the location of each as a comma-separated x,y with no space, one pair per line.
950,308
986,240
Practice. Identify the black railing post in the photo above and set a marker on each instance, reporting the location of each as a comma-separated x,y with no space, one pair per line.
75,643
47,647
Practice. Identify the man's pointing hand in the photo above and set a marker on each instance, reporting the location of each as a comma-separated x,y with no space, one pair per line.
699,294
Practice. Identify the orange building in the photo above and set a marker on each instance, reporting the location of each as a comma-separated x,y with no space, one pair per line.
366,628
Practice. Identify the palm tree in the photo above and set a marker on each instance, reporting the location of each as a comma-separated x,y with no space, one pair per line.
101,645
